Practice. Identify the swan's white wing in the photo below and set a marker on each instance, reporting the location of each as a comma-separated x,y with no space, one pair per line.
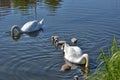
30,26
68,53
73,54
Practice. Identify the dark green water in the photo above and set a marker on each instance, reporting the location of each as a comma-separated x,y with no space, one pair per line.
93,22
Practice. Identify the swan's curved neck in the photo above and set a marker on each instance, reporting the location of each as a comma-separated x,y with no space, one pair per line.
87,69
15,32
65,46
86,60
16,28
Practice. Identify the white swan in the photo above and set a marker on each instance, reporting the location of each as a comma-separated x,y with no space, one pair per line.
74,55
30,26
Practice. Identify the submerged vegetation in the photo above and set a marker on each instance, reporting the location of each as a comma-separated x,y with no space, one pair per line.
110,69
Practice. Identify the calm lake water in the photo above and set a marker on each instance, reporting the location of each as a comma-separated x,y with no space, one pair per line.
93,22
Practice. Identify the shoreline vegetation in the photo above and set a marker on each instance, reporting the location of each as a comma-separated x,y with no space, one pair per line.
109,66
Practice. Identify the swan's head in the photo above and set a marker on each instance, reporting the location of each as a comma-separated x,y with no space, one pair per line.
15,32
65,67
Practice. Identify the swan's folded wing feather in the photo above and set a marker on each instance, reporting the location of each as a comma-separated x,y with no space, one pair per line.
29,26
70,54
73,54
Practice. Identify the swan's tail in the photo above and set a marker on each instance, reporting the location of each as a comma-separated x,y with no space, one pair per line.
41,22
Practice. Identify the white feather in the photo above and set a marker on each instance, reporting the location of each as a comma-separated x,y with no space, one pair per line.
73,54
32,26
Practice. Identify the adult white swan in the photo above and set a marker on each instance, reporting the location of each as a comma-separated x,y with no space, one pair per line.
74,55
30,26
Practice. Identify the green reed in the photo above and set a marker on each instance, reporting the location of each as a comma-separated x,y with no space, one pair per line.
110,69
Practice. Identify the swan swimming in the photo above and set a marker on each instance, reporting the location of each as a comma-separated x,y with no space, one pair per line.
74,55
30,26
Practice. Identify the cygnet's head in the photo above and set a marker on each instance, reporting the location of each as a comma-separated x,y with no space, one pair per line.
73,40
54,39
75,77
60,43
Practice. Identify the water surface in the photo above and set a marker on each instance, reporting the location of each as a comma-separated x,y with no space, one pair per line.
93,22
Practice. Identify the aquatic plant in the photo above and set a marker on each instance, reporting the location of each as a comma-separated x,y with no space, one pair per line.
110,69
